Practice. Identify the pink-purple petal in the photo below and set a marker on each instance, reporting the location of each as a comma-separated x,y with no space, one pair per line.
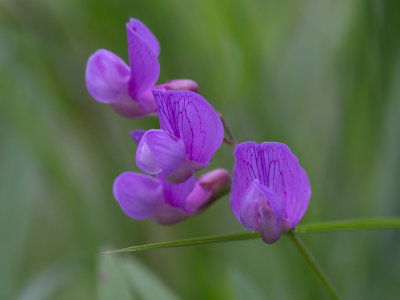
137,194
137,135
142,30
208,188
270,228
183,171
176,194
130,108
280,181
249,213
144,65
107,77
159,151
169,215
189,116
179,85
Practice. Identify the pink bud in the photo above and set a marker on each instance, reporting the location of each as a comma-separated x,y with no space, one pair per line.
209,187
182,85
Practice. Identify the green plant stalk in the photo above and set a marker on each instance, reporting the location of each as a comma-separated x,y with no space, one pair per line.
343,225
313,264
191,242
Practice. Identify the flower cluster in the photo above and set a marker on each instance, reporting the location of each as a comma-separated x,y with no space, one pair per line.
270,191
128,88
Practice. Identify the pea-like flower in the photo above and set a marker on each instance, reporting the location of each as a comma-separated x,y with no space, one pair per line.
128,88
270,190
142,196
191,131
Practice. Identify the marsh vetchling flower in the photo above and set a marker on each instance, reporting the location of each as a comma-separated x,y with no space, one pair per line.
191,131
142,196
270,190
128,88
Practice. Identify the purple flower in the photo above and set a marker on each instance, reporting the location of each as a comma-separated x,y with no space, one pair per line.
128,88
270,190
142,196
190,133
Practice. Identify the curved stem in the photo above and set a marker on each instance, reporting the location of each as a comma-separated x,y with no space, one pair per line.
365,224
231,141
313,264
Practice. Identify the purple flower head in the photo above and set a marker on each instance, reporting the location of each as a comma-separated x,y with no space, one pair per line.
142,196
190,133
128,88
270,190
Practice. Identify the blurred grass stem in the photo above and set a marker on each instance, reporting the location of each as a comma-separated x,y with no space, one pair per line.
313,264
342,225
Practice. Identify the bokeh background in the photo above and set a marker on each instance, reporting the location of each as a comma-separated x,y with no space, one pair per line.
321,76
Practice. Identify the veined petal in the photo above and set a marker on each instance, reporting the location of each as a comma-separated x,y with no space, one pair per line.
276,168
189,116
143,61
159,151
138,195
146,99
107,77
287,178
142,30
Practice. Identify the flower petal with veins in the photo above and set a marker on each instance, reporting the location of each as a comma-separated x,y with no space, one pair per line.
270,190
189,116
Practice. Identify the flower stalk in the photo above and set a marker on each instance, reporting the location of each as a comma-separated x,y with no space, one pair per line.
230,141
313,264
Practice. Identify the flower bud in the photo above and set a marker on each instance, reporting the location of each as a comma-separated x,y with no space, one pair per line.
209,187
182,85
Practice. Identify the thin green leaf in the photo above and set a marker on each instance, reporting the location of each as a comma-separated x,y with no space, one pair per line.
365,224
191,242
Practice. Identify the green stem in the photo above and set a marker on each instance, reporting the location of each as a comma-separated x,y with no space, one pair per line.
384,223
191,242
313,264
357,224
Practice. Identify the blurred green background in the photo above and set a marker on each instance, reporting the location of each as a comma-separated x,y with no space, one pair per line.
321,76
